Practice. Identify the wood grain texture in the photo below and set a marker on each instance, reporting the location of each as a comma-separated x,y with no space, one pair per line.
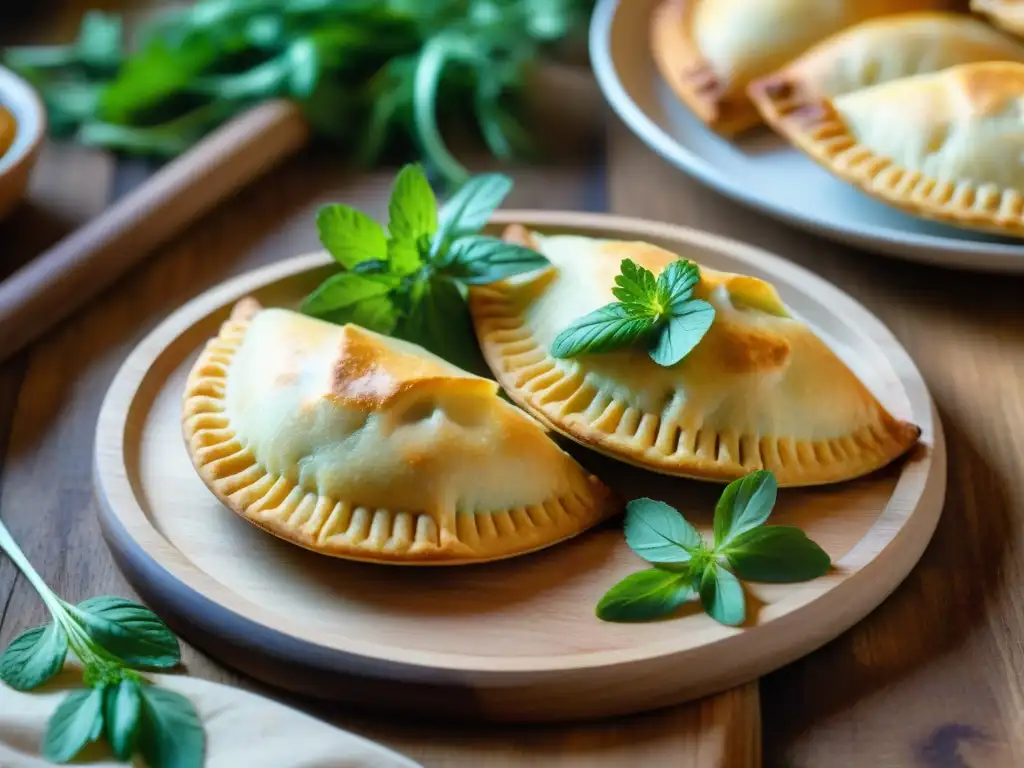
62,279
935,676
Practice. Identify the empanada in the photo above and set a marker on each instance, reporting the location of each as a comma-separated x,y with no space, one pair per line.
710,50
366,447
1008,14
947,145
874,52
760,391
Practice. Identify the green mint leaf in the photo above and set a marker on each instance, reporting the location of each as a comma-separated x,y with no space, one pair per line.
170,734
675,285
350,236
155,74
305,65
722,595
377,313
412,210
77,721
745,504
603,330
479,259
122,712
343,290
635,287
645,595
129,631
403,257
682,332
439,322
658,533
99,40
34,656
778,553
468,210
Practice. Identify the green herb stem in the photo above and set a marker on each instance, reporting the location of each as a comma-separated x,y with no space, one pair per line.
437,54
42,56
10,546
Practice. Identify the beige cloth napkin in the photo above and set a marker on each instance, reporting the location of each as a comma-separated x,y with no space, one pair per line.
242,730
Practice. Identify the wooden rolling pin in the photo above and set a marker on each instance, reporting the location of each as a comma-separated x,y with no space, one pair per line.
61,280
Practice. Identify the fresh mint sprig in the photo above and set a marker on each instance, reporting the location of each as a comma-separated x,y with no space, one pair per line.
376,77
661,314
684,565
410,280
111,637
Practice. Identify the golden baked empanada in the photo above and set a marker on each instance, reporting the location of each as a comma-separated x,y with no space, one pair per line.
1008,14
710,50
760,390
947,146
874,52
366,447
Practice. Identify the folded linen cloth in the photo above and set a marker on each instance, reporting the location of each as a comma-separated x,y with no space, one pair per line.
243,730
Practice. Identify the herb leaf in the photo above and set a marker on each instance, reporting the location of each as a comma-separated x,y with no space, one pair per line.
636,287
745,504
376,313
350,236
170,735
722,595
439,322
343,290
658,311
77,721
778,553
403,257
645,595
675,285
683,331
412,210
603,330
34,656
122,711
658,533
99,40
479,259
468,210
129,631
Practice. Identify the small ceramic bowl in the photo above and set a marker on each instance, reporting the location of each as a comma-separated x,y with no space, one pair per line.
21,101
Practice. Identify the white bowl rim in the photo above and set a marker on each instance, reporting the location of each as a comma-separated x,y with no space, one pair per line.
24,104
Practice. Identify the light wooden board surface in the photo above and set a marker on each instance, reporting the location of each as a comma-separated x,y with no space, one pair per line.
514,640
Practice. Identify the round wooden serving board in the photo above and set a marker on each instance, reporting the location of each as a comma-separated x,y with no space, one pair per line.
518,639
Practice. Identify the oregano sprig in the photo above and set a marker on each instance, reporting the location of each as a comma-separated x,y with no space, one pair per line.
660,314
684,564
410,279
112,638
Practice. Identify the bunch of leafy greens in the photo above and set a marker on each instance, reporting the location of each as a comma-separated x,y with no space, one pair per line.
660,314
410,281
371,74
684,565
111,637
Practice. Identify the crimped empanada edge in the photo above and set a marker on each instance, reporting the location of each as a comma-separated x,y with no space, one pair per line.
345,530
691,76
813,125
653,441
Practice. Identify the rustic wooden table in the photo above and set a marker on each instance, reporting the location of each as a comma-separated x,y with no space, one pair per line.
933,678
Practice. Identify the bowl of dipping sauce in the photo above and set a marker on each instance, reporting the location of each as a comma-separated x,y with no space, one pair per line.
22,127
